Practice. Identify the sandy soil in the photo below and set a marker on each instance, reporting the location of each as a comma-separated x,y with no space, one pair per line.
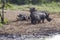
25,27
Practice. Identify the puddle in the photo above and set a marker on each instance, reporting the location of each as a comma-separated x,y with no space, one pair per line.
29,37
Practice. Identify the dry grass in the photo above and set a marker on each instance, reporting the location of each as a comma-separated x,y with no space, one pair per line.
25,27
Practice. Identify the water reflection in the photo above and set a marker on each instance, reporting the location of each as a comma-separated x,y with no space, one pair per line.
29,37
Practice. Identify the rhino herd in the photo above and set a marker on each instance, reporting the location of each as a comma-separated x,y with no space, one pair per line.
35,16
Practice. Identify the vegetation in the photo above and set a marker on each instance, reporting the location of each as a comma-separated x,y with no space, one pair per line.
51,7
0,24
5,22
20,2
47,5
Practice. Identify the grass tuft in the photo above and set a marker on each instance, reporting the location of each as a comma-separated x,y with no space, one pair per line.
5,22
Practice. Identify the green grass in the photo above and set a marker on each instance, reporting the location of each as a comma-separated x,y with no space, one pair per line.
5,22
0,24
51,7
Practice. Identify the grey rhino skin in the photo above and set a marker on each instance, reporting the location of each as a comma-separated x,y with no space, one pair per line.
23,17
37,16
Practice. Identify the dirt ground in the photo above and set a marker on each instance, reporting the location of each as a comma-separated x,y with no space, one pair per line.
25,27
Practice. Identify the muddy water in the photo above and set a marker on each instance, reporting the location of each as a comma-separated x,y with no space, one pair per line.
29,37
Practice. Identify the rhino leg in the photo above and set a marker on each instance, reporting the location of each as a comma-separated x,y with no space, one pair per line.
43,20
